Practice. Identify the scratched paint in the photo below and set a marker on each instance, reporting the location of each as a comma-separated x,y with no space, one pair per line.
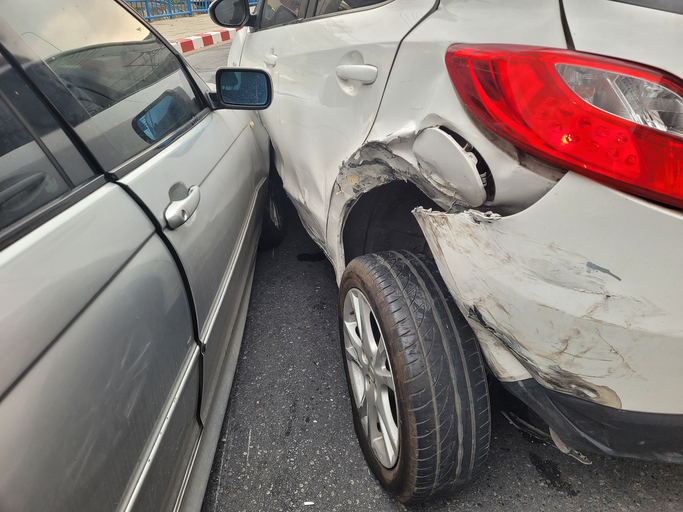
582,317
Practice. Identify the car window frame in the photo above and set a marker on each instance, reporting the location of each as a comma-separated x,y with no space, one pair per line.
201,96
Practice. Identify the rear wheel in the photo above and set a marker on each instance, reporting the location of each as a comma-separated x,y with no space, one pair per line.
416,379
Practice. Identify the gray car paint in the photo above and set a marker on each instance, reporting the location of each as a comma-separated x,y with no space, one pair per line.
77,423
100,399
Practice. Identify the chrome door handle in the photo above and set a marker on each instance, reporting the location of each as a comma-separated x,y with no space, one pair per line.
178,212
363,73
270,60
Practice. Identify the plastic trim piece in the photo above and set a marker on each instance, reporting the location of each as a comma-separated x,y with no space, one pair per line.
591,427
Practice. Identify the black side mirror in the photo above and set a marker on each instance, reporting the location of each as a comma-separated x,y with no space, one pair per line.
230,13
243,89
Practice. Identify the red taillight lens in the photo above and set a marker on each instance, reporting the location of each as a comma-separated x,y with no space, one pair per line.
616,122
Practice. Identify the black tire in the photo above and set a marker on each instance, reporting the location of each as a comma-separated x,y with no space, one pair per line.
274,226
441,392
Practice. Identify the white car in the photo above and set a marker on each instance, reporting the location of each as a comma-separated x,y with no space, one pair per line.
533,149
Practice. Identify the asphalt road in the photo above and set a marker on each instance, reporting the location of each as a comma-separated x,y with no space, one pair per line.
207,60
288,442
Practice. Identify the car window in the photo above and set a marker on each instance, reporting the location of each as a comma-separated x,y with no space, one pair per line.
128,82
28,180
331,6
278,12
35,114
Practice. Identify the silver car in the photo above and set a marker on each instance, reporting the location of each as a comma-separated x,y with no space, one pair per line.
131,202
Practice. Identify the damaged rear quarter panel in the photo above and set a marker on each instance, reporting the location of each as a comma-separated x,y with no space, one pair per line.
583,288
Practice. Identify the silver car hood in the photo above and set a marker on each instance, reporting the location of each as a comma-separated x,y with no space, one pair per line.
629,29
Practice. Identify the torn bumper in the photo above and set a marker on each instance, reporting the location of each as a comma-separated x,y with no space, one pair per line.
589,427
581,292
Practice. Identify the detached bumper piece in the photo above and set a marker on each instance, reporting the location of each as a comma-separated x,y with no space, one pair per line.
590,427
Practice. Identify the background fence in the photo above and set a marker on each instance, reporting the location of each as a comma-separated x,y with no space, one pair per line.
151,9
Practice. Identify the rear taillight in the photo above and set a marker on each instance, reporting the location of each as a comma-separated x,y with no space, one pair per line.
616,122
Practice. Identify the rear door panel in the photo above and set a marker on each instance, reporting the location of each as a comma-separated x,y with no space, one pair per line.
321,119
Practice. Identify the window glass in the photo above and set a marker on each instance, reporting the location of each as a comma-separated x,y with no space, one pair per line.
27,178
37,116
111,63
277,12
330,6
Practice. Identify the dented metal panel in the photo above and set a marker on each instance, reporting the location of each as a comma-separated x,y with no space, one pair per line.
569,289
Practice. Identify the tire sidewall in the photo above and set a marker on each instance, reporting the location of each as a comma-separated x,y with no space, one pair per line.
393,479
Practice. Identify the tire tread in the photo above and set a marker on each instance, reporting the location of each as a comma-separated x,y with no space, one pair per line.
442,369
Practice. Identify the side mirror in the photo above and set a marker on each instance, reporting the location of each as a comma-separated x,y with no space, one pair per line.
243,89
230,13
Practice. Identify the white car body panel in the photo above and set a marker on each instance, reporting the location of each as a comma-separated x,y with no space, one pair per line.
319,109
588,318
236,46
419,66
644,35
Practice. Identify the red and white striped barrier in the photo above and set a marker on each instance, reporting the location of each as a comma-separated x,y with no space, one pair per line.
192,43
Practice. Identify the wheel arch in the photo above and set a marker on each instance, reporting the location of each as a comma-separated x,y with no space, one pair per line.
371,205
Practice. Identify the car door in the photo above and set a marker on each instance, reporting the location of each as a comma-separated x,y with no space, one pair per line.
99,370
331,68
195,181
263,45
199,173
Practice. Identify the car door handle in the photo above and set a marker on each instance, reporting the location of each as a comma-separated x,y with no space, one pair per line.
178,212
363,73
270,60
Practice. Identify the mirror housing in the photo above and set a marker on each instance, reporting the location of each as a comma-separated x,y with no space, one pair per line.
243,89
231,13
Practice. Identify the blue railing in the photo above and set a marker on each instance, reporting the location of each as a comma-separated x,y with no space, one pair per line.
152,9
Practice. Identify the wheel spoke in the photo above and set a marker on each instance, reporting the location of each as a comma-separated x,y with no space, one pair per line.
356,300
384,377
366,334
356,345
389,427
351,355
372,413
363,408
